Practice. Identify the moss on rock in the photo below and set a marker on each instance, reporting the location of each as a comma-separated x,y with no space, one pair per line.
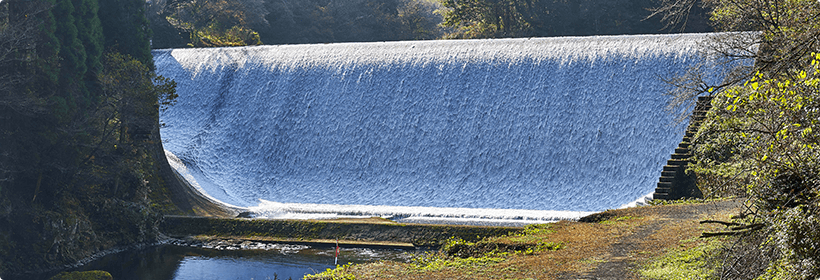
83,275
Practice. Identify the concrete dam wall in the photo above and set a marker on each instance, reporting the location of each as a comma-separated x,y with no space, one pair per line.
518,130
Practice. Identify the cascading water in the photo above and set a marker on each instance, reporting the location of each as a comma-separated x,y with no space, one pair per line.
507,130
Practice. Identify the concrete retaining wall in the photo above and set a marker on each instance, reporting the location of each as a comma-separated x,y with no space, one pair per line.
307,230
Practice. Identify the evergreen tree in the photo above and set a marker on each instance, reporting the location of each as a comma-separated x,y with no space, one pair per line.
89,32
126,30
72,59
44,71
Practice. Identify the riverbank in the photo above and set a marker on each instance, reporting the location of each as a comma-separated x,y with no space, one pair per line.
614,244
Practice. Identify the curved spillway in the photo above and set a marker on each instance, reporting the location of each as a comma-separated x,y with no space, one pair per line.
427,130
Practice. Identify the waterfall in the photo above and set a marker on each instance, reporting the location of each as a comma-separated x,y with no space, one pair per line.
512,129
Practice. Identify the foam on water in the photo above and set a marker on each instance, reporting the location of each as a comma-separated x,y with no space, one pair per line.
514,129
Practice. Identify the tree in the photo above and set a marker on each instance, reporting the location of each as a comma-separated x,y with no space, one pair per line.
214,23
90,34
760,138
789,28
78,137
126,29
20,26
132,93
544,18
419,20
489,18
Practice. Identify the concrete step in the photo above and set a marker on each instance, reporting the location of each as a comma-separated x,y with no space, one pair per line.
670,167
681,150
681,156
668,173
663,185
662,196
666,178
677,162
689,134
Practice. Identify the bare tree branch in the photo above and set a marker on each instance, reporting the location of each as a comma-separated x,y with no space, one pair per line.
674,13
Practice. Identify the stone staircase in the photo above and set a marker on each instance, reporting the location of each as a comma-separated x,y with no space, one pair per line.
674,183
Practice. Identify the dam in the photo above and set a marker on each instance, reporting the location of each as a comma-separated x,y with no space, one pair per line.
453,131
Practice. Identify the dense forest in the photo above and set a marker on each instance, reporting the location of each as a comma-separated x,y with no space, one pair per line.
205,23
80,153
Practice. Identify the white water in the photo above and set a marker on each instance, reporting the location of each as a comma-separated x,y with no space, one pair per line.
526,130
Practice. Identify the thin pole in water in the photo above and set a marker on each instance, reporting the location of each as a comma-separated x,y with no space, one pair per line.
336,262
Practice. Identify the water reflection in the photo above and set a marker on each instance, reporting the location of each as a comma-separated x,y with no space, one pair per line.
182,263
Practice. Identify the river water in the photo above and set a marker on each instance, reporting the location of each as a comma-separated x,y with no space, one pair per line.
171,262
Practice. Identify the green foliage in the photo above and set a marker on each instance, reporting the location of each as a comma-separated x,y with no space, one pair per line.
436,262
532,233
215,36
794,235
789,29
126,29
761,138
89,32
489,18
543,18
72,52
419,20
519,244
78,137
45,67
537,229
291,21
695,263
214,23
338,273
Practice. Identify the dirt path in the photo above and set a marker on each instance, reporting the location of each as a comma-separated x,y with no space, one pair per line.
619,264
607,245
624,254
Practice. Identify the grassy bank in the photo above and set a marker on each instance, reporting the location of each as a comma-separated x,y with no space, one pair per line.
652,242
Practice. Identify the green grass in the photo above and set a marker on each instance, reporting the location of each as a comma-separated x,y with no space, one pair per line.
437,262
698,262
532,233
686,201
618,219
338,273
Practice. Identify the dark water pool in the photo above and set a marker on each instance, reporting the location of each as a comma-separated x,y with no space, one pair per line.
168,262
